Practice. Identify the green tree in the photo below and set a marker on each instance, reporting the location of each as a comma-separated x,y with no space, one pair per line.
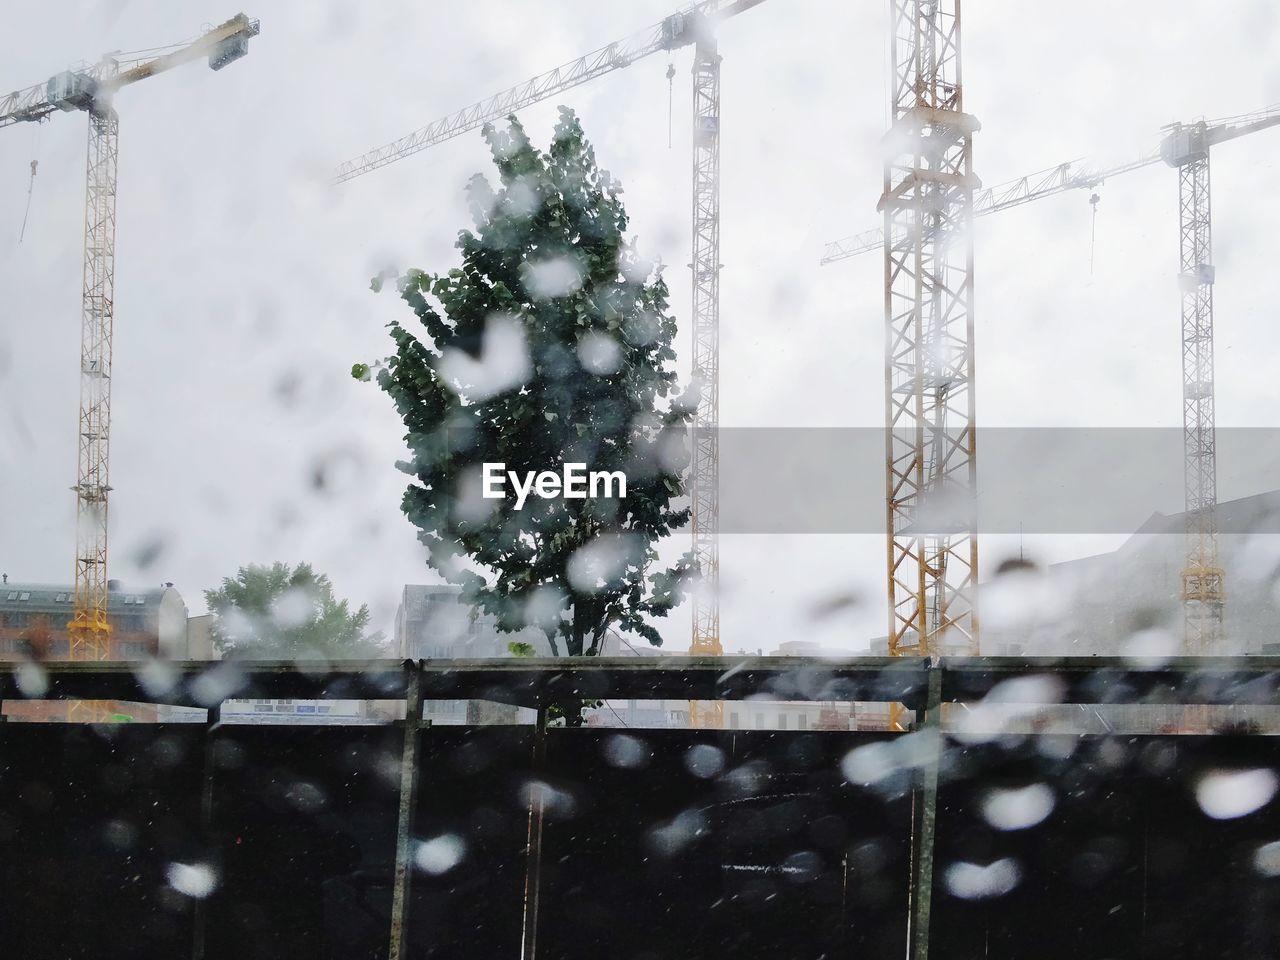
549,344
284,613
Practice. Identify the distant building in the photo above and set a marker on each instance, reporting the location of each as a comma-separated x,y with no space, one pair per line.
752,714
300,712
1112,604
33,626
434,623
200,638
642,714
200,646
34,617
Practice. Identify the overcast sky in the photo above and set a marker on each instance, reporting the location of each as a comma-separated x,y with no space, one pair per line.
242,275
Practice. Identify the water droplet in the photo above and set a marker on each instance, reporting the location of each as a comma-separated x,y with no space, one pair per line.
972,881
1227,794
196,880
668,839
704,761
599,353
1151,647
305,796
553,277
157,677
504,362
625,751
869,764
32,680
440,854
1018,808
1266,859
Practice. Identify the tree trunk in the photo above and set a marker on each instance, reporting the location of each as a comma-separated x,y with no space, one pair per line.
586,614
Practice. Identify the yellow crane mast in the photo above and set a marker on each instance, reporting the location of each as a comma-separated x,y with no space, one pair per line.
931,459
92,89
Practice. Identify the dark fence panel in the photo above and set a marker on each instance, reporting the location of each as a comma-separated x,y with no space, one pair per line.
92,819
701,844
471,831
657,843
305,818
1126,863
1206,893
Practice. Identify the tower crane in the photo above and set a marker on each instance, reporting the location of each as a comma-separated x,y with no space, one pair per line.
92,89
1186,147
695,27
930,453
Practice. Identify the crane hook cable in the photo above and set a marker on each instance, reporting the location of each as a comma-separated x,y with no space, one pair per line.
31,185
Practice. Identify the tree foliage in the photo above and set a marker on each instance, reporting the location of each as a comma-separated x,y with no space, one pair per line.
550,343
279,612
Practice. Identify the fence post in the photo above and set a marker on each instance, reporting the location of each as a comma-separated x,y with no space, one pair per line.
533,866
924,820
404,823
213,717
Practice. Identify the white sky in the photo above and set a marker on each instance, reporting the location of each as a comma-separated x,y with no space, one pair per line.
242,275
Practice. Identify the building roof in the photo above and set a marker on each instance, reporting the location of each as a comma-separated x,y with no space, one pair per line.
1259,513
416,597
58,598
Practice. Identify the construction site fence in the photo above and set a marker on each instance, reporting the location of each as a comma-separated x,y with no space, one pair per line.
1010,835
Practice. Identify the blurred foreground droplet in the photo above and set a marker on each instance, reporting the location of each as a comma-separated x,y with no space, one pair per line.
32,680
704,761
972,881
440,854
1266,859
1227,794
1018,808
196,880
625,751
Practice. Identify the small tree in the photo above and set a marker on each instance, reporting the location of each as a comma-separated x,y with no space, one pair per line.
549,344
283,613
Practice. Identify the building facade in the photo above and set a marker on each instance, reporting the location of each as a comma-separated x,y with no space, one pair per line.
1128,602
434,623
145,624
34,618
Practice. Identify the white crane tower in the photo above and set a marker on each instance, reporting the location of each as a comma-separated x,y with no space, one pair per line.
92,89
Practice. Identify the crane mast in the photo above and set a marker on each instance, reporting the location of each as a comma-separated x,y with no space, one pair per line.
89,632
92,89
705,473
1187,148
928,287
1203,593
